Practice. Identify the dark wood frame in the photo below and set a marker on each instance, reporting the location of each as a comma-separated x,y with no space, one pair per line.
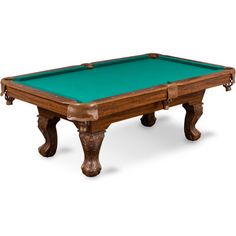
92,119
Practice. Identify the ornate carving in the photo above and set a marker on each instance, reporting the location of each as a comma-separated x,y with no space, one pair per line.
47,126
193,113
91,143
148,119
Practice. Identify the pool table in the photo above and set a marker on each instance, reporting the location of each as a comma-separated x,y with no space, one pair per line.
95,95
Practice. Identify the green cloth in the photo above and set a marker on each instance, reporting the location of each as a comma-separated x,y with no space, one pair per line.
115,77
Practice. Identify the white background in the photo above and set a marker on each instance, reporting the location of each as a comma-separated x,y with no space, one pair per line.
154,181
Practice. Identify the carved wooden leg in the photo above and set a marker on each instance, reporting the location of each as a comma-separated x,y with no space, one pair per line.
148,119
47,124
193,113
91,143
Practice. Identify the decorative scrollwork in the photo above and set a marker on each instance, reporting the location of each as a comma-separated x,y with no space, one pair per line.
91,143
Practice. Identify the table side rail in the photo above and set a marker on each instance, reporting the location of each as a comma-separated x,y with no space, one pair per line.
104,122
105,107
124,102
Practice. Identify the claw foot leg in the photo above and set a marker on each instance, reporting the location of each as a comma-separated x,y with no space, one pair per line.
91,143
47,125
193,113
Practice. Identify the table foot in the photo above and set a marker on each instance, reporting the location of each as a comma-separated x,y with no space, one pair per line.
47,125
148,120
193,113
91,143
9,100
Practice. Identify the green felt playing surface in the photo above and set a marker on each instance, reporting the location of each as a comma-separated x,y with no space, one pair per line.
115,77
